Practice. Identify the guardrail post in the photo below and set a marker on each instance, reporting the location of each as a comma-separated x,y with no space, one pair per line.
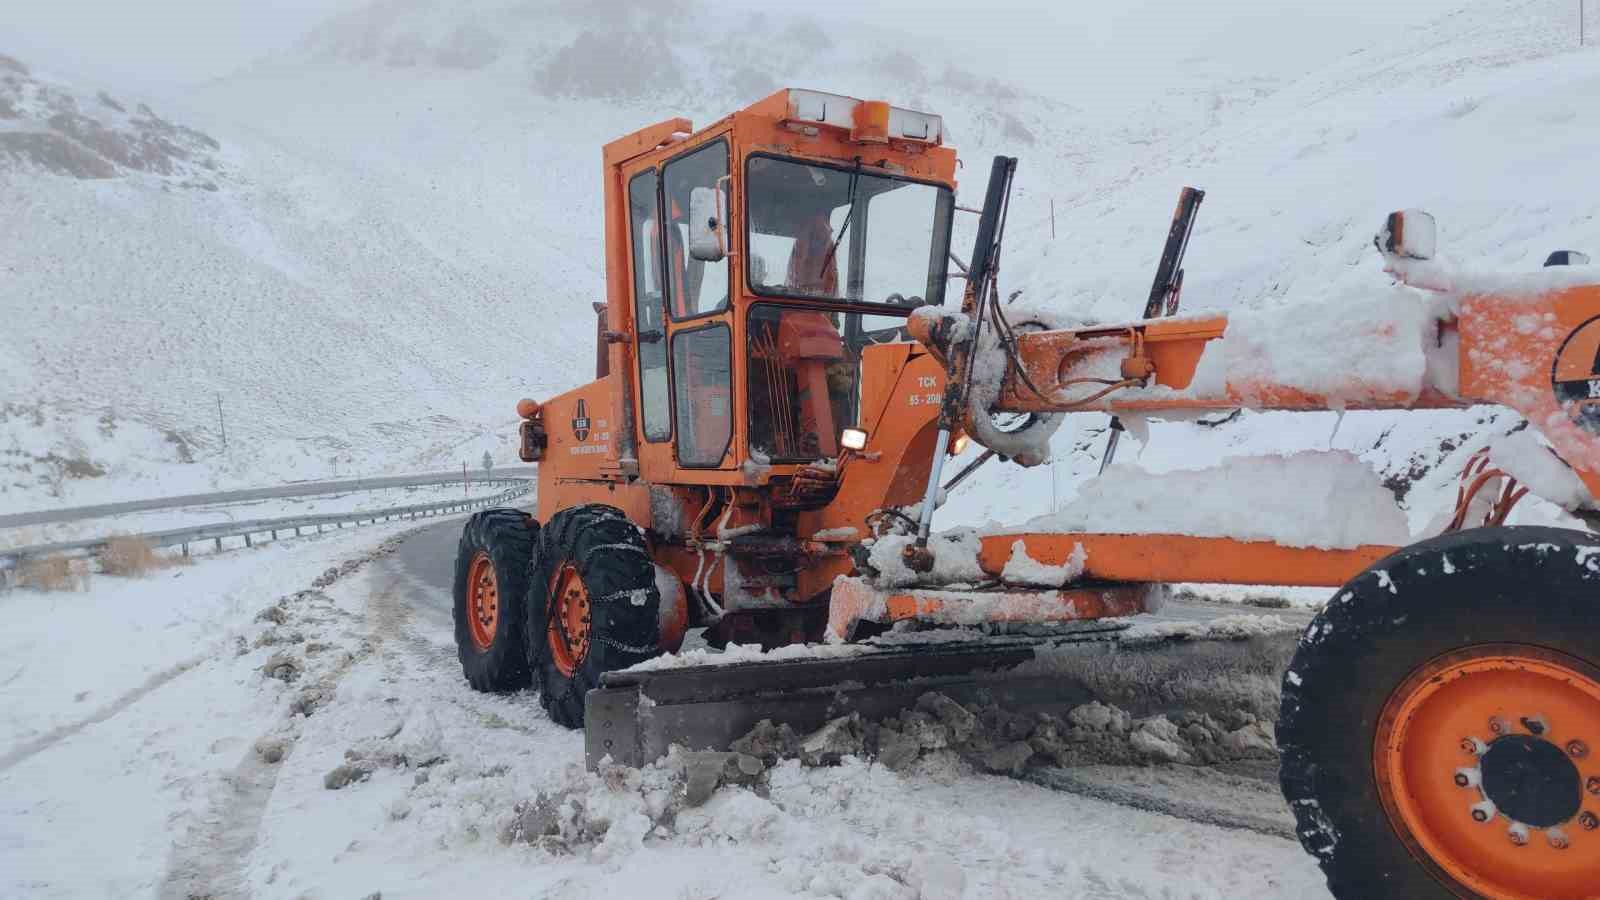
247,541
186,549
219,544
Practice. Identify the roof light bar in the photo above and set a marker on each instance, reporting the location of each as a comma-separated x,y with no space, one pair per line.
865,120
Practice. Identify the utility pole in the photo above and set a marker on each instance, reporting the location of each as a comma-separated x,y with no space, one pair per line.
464,478
1580,23
1053,209
221,426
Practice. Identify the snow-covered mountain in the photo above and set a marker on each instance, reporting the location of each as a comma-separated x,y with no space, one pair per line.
392,230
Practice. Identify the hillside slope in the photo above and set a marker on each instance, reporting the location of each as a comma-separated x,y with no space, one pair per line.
403,234
1479,117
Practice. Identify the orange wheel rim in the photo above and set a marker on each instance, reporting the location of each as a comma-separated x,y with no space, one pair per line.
1487,761
568,630
483,600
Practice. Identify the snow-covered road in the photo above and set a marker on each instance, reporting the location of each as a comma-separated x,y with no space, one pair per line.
217,705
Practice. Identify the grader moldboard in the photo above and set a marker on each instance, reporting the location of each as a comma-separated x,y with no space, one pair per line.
780,380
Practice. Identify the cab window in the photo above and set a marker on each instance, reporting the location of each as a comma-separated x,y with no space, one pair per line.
694,287
644,222
702,394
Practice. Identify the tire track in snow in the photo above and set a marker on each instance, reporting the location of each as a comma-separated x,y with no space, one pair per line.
1204,795
54,736
211,859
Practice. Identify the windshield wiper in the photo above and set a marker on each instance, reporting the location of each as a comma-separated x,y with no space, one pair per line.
833,246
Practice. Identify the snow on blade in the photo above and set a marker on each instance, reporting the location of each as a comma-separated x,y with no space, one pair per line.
1325,499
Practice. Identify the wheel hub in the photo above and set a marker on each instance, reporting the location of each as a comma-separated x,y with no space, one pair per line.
570,620
483,600
1482,762
1531,780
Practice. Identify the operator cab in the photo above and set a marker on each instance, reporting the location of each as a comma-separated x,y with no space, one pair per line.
803,229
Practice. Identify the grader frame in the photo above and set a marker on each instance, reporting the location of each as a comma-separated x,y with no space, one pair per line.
761,431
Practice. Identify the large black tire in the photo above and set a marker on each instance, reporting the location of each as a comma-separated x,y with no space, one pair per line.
1519,587
613,563
505,537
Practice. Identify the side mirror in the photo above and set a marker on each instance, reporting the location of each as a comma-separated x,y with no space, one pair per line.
1409,233
708,215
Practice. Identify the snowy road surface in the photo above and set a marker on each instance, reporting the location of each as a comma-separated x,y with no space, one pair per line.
177,735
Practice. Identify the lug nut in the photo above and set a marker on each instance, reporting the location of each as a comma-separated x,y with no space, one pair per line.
1519,834
1497,725
1593,785
1462,780
1483,810
1577,749
1557,838
1589,821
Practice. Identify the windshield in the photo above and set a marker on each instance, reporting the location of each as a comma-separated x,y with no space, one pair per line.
845,233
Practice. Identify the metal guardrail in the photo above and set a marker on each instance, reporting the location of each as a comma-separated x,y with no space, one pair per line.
10,558
244,495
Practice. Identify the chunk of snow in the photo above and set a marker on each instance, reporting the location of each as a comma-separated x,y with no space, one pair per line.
955,559
1325,499
1021,568
1354,345
1524,456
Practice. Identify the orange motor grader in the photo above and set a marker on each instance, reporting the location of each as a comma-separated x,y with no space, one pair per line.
786,360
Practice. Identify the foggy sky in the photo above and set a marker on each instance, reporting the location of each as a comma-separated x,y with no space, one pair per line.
1060,46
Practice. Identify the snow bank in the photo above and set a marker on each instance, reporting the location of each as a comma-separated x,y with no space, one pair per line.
1326,499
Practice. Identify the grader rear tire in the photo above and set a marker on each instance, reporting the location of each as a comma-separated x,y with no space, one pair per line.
491,581
1440,725
592,606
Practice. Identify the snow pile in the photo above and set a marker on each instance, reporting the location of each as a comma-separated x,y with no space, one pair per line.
939,733
1309,499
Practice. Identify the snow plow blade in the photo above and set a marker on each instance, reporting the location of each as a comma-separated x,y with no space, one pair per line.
1193,656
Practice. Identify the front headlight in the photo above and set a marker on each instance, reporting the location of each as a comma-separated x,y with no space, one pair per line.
853,439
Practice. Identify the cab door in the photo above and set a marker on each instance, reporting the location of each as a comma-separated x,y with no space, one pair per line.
698,295
649,310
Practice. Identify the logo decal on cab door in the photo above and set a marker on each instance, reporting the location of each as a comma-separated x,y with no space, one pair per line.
580,421
1575,377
